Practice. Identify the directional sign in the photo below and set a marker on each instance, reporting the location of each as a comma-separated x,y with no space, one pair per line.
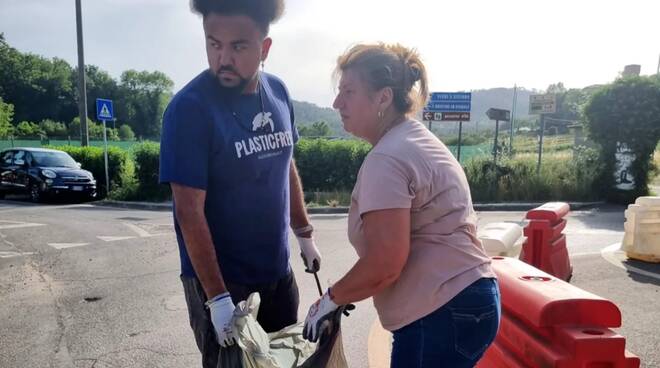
448,107
445,96
542,104
455,116
446,116
498,114
104,110
450,102
429,116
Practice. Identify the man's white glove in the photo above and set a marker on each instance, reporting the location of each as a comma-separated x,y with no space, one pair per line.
310,254
221,309
318,317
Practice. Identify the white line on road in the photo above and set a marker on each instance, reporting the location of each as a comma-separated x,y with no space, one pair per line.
16,224
14,254
142,232
114,238
67,245
138,230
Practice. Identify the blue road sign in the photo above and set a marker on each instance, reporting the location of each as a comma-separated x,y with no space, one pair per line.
104,110
450,102
450,96
448,107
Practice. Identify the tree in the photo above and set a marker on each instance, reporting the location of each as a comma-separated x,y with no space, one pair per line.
99,85
626,114
126,133
144,96
569,106
556,88
111,134
74,127
316,129
38,87
53,129
6,117
28,129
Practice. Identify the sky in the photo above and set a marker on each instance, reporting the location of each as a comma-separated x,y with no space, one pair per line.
465,45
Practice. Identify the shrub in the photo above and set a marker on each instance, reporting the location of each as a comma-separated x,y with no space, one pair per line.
563,176
92,159
126,133
329,165
147,161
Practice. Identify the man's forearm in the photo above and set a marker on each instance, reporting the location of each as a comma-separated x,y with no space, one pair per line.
201,251
299,216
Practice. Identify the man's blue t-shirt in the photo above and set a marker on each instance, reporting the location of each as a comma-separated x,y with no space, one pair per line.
240,155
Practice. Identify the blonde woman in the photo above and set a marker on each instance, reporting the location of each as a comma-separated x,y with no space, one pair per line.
411,222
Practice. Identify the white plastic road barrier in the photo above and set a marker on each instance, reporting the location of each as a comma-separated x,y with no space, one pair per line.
502,239
642,230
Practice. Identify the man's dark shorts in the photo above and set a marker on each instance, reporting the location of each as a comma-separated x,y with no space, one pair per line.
279,309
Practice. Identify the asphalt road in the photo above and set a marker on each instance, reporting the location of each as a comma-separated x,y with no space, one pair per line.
88,286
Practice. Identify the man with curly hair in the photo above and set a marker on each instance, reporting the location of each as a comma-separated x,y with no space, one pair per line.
226,151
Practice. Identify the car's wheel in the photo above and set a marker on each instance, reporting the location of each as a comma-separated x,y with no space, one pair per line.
35,193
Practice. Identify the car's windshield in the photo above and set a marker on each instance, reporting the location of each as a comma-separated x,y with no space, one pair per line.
53,159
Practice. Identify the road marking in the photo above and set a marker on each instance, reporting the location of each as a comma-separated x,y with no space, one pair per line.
142,232
67,245
138,230
14,254
379,346
610,255
17,225
114,238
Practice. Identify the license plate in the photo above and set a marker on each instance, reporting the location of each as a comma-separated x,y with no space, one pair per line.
77,188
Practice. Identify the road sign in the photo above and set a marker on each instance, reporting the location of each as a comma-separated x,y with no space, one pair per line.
455,116
104,110
542,104
445,96
498,114
446,116
449,102
104,113
448,107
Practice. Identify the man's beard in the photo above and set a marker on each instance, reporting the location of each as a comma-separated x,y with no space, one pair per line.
232,90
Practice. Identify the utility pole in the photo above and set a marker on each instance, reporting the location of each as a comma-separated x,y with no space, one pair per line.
542,131
513,118
82,90
657,71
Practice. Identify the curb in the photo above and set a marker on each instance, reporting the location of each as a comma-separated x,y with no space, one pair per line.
575,206
164,206
483,207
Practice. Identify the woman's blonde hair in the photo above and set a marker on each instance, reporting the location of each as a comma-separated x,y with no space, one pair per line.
382,65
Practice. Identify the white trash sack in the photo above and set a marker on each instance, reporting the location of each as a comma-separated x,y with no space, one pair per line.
282,349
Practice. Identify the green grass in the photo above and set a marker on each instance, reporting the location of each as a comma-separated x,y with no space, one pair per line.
522,144
563,176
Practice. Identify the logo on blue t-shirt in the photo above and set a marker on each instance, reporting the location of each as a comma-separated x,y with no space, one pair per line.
263,121
264,143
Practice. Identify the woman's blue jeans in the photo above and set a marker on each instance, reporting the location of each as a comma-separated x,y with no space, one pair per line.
456,335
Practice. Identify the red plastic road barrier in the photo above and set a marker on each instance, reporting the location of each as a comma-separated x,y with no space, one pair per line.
545,247
549,323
